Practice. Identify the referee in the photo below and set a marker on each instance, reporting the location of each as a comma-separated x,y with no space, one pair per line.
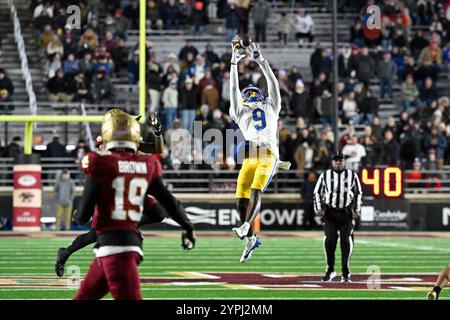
338,198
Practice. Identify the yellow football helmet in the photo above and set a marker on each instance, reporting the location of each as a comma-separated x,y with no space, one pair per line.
120,130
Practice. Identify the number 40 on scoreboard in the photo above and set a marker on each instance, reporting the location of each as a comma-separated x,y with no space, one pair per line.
387,182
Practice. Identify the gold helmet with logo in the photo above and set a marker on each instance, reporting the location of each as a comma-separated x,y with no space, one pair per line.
120,130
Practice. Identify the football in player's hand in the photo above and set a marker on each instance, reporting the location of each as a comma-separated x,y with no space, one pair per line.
241,41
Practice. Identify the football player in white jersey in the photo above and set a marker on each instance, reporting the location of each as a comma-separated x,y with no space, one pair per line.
257,117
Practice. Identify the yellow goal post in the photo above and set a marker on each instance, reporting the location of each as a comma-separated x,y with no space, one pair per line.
30,119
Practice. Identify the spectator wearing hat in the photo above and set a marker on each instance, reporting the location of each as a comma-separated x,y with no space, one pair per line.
39,22
199,18
187,104
122,24
300,102
6,87
154,15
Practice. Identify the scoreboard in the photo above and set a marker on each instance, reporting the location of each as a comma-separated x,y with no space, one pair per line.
382,182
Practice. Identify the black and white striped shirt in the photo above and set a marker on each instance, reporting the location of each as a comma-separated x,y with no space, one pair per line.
337,190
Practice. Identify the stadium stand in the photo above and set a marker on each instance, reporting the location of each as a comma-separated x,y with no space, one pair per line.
420,135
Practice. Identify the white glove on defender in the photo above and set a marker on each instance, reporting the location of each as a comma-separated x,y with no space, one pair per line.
254,52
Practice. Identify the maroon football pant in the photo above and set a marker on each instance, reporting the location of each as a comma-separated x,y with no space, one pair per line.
117,273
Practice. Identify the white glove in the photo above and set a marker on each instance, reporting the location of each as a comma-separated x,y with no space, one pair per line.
236,56
254,52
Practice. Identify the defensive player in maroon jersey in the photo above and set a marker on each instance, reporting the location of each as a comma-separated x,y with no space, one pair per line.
115,188
154,212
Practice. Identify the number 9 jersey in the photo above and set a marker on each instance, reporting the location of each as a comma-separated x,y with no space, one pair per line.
258,121
122,179
260,124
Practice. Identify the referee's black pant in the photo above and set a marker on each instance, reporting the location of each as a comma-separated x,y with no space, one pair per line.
338,221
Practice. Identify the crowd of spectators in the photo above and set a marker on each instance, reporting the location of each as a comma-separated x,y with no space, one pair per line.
404,66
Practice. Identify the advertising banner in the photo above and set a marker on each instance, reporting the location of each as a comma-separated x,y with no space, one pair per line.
27,197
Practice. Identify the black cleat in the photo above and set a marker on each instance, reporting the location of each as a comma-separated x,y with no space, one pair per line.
346,278
329,275
60,262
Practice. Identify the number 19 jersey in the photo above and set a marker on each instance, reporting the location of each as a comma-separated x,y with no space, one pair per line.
123,180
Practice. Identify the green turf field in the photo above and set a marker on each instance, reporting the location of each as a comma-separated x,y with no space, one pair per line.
286,266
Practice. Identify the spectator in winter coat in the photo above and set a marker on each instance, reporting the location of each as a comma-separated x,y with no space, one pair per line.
210,95
391,149
410,93
6,86
199,18
187,99
55,149
365,67
284,27
428,94
261,14
170,103
231,20
301,103
171,15
102,88
368,107
437,141
60,87
386,71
